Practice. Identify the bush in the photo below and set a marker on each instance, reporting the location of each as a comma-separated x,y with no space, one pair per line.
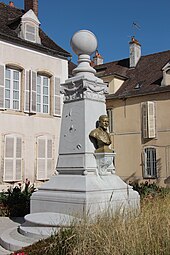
15,202
151,190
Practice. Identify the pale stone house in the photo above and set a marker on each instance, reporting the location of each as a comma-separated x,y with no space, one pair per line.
138,105
32,67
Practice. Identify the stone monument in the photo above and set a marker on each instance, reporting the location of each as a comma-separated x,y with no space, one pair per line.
85,180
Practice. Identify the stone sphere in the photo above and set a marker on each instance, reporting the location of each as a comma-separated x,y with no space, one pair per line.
84,42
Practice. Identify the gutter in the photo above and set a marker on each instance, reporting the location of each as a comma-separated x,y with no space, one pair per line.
130,96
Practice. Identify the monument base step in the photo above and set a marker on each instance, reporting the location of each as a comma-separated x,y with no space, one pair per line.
36,226
12,240
44,224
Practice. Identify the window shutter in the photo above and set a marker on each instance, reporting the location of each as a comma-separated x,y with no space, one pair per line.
27,93
33,91
41,158
151,120
13,158
18,163
9,159
2,87
57,100
44,158
144,120
49,158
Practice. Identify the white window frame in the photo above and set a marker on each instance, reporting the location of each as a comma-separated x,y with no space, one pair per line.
27,33
41,95
14,158
150,162
12,89
166,75
44,160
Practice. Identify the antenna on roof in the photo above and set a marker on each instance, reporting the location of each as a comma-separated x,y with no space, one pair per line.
135,27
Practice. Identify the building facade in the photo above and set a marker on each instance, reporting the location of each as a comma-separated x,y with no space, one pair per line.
32,67
138,107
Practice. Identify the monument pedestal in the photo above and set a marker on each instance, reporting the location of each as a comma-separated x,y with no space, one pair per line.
84,195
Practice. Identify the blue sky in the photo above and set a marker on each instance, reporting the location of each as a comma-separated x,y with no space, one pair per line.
111,21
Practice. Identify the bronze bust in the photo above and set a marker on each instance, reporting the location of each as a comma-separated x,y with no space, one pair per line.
100,137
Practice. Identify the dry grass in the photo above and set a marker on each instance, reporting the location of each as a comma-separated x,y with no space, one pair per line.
146,234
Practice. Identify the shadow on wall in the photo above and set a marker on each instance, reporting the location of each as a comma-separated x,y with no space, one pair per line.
167,182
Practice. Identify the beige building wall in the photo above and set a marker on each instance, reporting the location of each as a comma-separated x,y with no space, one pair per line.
34,125
114,83
128,142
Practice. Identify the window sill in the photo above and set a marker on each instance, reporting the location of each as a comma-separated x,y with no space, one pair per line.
150,177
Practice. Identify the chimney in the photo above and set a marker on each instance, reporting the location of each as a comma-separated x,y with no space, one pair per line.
31,4
97,59
11,4
135,52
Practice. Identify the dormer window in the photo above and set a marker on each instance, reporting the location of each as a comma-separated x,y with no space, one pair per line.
166,75
30,27
30,33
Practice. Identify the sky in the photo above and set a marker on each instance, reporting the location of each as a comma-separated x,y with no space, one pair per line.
110,20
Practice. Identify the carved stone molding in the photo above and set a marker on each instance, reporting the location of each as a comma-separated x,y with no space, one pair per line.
104,162
82,89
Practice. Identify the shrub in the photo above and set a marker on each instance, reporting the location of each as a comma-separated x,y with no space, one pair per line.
151,190
15,202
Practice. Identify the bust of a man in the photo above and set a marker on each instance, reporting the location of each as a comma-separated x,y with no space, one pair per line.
100,137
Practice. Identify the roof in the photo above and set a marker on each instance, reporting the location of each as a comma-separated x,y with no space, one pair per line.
145,78
10,18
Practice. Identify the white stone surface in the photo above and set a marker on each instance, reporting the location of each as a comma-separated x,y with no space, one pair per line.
83,42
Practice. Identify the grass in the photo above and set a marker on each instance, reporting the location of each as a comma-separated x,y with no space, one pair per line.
146,234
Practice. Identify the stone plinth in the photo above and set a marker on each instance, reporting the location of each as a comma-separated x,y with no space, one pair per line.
105,163
80,195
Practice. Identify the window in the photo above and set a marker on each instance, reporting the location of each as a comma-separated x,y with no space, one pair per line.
150,165
29,27
148,120
110,115
12,88
43,94
166,75
13,158
44,157
30,33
